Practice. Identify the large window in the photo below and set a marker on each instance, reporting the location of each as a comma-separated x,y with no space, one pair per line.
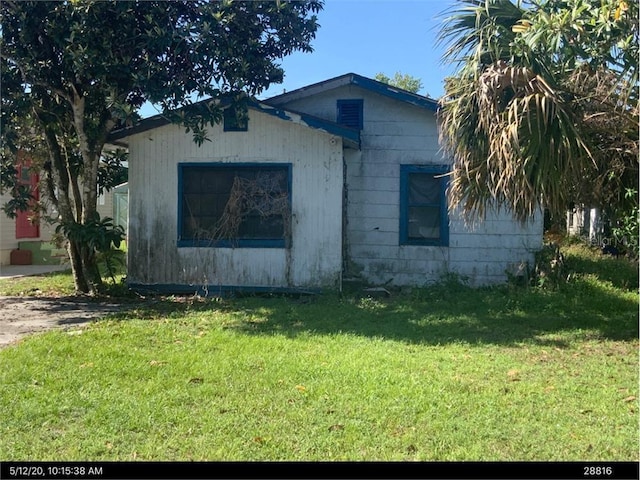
234,205
423,205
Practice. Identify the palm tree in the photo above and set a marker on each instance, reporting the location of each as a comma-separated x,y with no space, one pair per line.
514,116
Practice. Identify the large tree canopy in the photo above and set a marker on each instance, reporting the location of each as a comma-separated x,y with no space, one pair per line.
543,107
72,71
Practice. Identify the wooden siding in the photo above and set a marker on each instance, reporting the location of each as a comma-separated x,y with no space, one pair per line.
394,134
314,258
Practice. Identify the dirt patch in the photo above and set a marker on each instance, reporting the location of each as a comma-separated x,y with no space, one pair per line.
21,316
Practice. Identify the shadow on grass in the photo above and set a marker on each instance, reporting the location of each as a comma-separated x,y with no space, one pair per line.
620,272
440,315
599,302
447,313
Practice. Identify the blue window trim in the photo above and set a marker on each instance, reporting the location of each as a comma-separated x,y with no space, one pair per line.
405,170
359,103
239,243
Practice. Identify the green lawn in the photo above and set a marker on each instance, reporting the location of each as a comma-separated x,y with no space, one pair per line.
443,373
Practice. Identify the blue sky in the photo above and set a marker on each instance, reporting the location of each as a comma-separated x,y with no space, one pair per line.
367,37
371,36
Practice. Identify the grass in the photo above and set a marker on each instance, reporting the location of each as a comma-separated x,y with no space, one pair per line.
443,373
50,284
60,283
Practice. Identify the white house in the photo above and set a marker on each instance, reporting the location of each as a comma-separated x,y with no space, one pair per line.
342,179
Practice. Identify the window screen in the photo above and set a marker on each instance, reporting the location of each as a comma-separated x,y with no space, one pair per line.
235,205
423,207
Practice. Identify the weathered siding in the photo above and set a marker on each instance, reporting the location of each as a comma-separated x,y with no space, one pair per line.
396,133
314,257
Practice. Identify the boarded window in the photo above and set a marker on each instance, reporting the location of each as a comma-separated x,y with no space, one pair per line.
423,205
350,113
234,205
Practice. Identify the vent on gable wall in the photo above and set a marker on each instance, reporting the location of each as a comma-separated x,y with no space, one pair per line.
350,113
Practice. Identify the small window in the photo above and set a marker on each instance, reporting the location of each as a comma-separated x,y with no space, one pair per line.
234,205
235,119
350,113
424,217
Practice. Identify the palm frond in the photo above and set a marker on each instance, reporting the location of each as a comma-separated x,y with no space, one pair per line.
529,146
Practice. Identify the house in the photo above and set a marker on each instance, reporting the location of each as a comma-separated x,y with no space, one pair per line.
26,240
343,179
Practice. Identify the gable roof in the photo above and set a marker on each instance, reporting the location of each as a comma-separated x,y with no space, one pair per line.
350,136
369,84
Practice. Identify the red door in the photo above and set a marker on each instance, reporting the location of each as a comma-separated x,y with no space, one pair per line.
24,227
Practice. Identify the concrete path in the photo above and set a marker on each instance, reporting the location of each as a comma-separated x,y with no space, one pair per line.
10,271
21,316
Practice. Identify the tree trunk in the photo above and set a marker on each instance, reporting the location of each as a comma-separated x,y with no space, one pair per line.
89,182
79,280
69,206
91,271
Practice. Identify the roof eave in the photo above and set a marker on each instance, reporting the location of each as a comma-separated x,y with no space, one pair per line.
350,136
358,80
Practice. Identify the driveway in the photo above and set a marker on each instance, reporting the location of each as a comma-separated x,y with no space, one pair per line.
21,316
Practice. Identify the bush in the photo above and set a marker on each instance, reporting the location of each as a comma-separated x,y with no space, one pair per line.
569,258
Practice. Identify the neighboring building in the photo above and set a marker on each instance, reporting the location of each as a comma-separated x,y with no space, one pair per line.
25,232
357,189
33,237
115,204
584,222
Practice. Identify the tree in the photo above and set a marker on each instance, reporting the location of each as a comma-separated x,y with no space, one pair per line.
404,81
73,71
542,109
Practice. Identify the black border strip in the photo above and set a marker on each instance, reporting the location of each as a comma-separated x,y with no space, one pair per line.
319,470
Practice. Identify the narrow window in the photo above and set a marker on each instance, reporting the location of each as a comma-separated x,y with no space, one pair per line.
350,113
27,224
424,217
234,205
235,119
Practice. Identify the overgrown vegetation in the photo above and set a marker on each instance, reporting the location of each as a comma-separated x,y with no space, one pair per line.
72,72
535,373
543,106
563,261
260,196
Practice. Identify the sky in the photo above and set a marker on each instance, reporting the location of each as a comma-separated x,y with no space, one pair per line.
367,37
371,36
